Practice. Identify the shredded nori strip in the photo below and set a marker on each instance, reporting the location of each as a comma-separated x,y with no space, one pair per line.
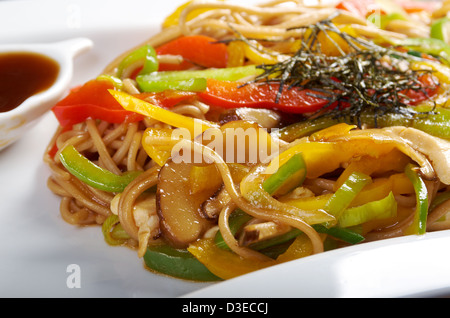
368,78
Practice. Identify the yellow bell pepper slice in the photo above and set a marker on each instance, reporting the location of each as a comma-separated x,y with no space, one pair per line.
394,160
204,177
193,125
330,132
310,203
157,143
323,157
224,263
252,190
236,54
301,247
174,17
207,177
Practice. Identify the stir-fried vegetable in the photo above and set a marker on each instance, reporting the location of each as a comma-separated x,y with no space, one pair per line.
139,106
440,30
357,121
92,174
290,175
196,50
231,95
177,263
113,233
381,209
145,55
92,100
420,218
342,198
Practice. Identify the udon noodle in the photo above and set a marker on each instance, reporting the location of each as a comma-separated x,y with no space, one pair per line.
264,34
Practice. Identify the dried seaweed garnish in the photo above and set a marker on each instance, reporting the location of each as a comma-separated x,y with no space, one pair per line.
368,78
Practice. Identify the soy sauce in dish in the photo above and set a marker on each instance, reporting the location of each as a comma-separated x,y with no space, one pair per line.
23,74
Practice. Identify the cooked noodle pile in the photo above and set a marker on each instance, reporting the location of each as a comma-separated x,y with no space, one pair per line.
271,31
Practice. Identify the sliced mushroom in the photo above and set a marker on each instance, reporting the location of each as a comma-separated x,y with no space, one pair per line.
437,150
211,208
178,209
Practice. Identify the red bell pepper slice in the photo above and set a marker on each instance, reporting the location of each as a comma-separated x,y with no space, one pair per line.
430,88
411,6
230,95
92,100
362,8
196,50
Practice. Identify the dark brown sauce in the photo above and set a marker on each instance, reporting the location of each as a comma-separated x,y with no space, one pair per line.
23,74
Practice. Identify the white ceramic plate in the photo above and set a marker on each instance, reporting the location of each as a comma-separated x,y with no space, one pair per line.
36,246
38,249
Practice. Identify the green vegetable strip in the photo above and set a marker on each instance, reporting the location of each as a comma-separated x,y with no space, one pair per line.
434,121
192,85
145,54
107,227
342,198
303,128
438,29
435,47
375,210
383,20
420,219
438,200
343,234
93,175
117,82
295,167
224,74
177,263
276,240
271,185
119,233
237,219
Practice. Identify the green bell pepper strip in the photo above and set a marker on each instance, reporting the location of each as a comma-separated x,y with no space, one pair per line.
434,47
436,123
292,174
145,53
111,235
374,210
115,81
93,175
382,20
432,120
343,234
236,220
343,196
303,128
190,85
271,185
224,74
440,29
420,218
438,200
295,166
177,263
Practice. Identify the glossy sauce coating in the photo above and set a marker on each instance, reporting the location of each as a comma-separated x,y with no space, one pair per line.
23,74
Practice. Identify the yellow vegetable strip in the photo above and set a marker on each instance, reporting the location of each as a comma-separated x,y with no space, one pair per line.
131,103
